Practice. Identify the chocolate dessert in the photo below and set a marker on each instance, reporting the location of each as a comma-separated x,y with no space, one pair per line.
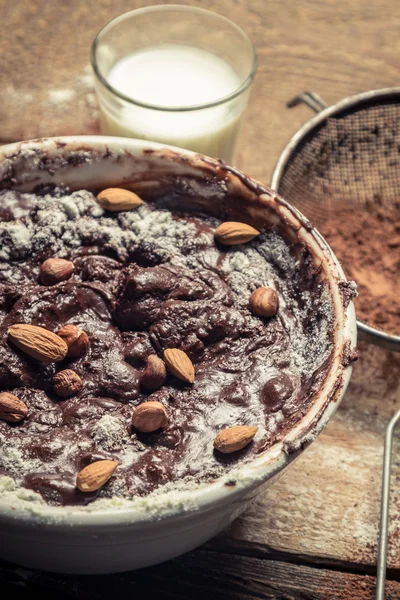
141,345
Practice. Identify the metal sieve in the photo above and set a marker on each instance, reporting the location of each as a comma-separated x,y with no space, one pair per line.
348,153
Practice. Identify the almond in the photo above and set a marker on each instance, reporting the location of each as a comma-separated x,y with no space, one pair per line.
67,383
264,302
54,270
234,438
155,373
76,340
232,233
179,364
115,199
149,416
38,342
12,409
95,475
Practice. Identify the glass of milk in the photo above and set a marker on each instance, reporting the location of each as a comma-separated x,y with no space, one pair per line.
174,74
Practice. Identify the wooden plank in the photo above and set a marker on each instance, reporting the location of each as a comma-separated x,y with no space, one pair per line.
202,574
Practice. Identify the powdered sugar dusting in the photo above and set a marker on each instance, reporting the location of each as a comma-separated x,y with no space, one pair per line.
61,96
60,224
257,264
63,222
110,433
15,461
69,225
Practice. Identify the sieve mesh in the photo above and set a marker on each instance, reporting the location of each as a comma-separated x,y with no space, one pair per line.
352,156
347,155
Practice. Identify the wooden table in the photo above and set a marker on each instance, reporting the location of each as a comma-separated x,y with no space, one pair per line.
313,534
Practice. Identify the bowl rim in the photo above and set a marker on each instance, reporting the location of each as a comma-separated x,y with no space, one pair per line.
168,505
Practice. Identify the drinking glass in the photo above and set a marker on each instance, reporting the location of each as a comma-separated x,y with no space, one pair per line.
175,74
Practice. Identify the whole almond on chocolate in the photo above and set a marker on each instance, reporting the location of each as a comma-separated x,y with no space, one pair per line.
264,302
55,270
232,233
76,340
149,416
155,373
116,199
12,409
179,364
234,439
95,475
38,342
67,383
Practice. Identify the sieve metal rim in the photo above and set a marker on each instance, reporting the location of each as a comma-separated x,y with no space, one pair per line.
315,102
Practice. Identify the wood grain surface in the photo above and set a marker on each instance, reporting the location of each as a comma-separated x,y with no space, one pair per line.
203,574
313,533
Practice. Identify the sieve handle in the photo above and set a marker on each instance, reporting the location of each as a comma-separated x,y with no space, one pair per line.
383,529
312,99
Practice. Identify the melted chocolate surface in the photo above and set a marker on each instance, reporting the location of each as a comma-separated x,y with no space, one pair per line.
144,281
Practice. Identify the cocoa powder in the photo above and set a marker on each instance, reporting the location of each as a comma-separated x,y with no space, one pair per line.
366,240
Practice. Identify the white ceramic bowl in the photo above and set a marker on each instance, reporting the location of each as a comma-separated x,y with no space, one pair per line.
116,536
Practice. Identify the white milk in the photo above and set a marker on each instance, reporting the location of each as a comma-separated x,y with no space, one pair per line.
176,76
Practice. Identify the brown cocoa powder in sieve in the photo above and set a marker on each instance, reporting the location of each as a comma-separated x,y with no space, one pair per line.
366,241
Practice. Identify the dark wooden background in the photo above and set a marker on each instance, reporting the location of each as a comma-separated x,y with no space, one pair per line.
313,534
